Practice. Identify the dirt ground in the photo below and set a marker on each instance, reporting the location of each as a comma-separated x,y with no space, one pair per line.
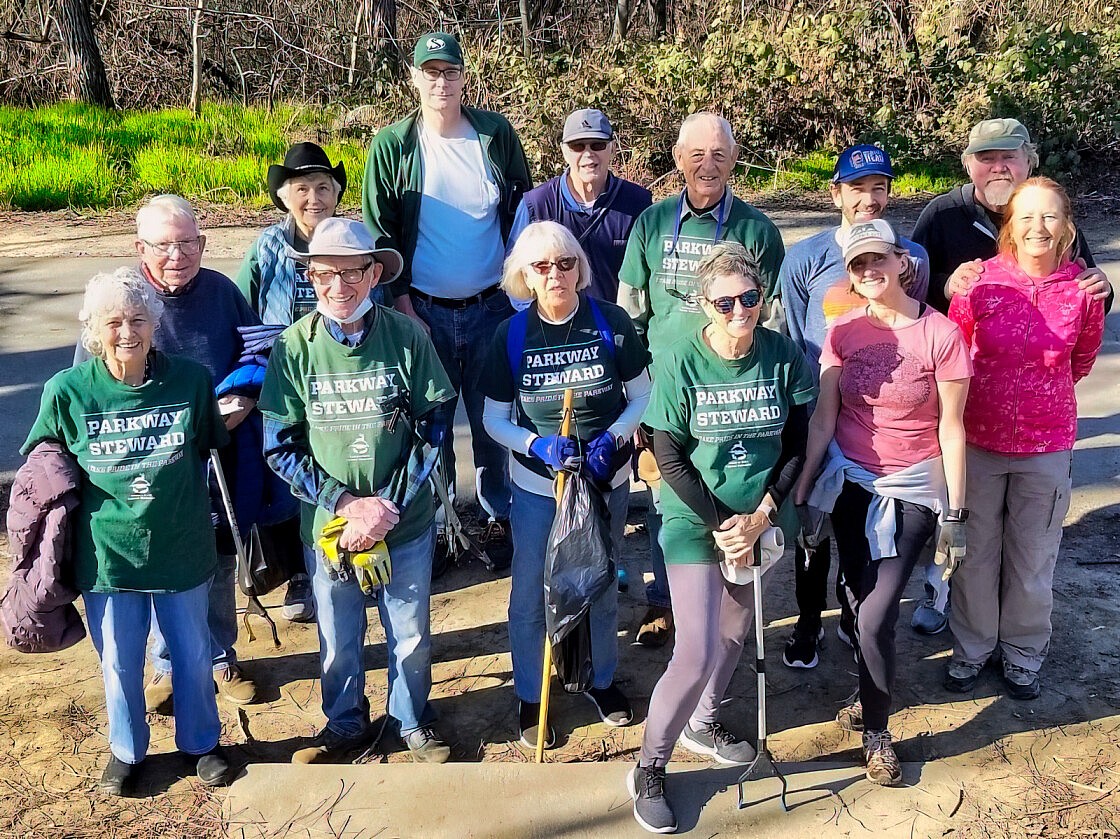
1045,768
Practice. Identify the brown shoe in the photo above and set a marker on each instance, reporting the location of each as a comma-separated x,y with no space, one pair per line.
882,763
234,687
656,627
157,694
330,747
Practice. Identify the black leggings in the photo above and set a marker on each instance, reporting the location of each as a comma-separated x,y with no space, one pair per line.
874,590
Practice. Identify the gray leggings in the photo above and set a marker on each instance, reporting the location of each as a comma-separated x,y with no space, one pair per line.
712,619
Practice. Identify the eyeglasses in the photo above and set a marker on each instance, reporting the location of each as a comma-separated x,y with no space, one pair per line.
726,305
452,74
188,247
564,263
595,145
350,276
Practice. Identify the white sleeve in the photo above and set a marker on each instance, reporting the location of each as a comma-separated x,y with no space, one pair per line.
638,391
497,418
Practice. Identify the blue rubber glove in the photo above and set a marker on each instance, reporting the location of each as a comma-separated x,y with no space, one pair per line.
600,456
554,451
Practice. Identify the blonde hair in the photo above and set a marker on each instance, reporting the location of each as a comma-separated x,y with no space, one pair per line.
1069,234
110,292
727,259
534,240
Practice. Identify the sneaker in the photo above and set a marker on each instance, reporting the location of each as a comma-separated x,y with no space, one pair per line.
426,747
882,763
960,677
801,648
329,746
498,544
1021,682
233,686
718,743
158,694
656,627
646,785
851,717
928,620
119,777
213,767
528,720
614,708
299,605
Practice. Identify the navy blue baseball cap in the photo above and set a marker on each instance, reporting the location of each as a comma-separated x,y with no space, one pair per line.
859,161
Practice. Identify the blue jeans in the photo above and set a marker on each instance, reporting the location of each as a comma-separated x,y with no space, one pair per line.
657,591
462,340
406,618
531,520
118,626
221,616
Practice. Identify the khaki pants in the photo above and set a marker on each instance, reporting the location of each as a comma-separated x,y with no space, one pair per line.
1003,592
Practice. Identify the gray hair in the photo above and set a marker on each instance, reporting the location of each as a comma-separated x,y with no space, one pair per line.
110,292
531,244
727,259
282,190
705,116
162,209
1030,149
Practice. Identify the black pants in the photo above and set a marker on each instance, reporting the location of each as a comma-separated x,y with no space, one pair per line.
875,588
811,589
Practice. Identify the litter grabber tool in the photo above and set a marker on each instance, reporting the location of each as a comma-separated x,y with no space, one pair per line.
546,668
255,606
372,568
763,760
458,537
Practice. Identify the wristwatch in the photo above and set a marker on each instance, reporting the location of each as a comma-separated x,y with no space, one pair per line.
956,514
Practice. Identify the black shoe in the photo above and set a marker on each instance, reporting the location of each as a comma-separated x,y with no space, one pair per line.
651,808
961,677
213,767
718,743
443,559
528,718
614,708
1021,682
329,746
119,777
801,648
498,544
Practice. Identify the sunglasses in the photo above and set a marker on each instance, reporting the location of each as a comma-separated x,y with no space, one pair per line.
564,263
726,305
595,145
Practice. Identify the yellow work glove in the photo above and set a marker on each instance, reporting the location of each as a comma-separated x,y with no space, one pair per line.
371,568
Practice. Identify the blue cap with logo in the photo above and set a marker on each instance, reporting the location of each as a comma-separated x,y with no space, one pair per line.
856,162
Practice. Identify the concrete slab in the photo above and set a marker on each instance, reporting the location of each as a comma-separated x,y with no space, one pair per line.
524,800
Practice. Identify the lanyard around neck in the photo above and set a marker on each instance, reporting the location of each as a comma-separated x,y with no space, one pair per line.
722,210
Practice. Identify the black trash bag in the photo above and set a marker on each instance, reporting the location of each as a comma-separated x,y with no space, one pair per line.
273,555
579,565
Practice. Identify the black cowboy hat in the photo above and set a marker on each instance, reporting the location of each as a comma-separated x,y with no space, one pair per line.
303,159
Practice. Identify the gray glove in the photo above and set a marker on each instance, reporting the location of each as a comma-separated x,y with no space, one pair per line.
952,547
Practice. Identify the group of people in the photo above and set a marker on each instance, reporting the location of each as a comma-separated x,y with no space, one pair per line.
918,394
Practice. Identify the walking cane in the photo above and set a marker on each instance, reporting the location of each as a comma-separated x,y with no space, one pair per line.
763,752
546,670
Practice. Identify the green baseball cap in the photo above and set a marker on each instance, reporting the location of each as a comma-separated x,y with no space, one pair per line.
992,134
437,46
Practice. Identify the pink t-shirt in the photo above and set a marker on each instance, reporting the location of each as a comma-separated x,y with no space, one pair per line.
889,406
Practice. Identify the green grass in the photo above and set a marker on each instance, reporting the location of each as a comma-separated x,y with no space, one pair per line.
71,155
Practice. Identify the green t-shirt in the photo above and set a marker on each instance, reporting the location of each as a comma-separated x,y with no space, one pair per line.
566,355
144,519
653,265
344,400
728,416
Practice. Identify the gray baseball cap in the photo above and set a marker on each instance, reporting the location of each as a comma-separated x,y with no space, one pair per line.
587,124
875,236
992,134
346,237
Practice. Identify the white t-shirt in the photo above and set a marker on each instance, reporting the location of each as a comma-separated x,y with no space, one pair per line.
459,250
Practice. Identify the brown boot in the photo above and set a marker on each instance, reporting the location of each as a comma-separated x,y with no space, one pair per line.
330,747
157,694
234,687
656,627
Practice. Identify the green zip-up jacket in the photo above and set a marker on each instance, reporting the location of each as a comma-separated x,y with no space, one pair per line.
394,180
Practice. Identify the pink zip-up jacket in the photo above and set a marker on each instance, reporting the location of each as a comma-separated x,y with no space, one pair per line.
1030,340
